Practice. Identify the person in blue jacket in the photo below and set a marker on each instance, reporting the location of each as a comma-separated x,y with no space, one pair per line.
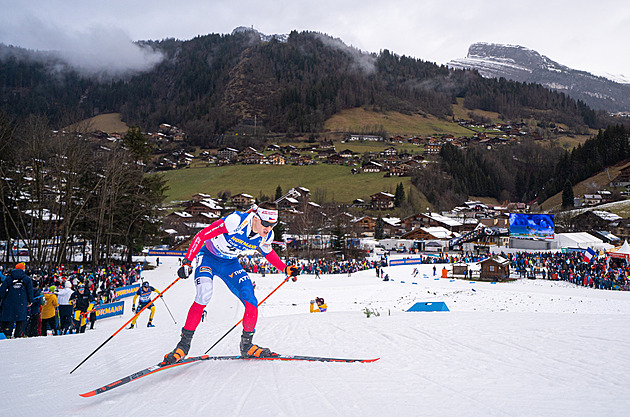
16,293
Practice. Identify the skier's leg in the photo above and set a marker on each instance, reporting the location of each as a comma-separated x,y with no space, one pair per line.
204,286
241,285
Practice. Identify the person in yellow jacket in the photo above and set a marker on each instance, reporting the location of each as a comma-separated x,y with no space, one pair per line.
49,311
144,292
318,305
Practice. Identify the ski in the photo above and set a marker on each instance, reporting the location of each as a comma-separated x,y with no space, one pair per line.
140,374
156,368
291,358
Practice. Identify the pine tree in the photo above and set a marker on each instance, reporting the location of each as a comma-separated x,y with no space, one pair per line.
399,195
567,195
379,228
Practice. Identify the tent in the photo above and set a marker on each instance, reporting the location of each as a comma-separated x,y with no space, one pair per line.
622,253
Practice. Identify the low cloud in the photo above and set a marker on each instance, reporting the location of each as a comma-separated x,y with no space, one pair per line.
99,51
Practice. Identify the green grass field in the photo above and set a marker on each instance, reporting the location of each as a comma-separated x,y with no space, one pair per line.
358,119
326,182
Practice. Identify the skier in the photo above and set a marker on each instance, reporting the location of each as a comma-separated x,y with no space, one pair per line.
218,246
321,305
144,292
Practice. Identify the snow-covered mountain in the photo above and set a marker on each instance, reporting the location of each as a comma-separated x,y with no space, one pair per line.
522,64
262,36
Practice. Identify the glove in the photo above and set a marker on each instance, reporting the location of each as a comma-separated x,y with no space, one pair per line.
133,308
292,271
184,271
312,301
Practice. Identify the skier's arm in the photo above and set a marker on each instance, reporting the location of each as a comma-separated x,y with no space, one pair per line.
275,260
215,229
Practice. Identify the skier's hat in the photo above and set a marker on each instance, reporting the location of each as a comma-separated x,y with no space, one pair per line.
268,217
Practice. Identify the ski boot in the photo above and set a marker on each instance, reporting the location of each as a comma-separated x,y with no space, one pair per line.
131,326
181,350
248,349
149,324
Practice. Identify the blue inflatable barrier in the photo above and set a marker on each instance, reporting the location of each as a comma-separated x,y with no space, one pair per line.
429,306
2,336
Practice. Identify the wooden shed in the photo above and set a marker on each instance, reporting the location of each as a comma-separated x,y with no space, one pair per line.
495,268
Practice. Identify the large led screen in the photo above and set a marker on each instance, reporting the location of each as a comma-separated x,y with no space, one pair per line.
531,226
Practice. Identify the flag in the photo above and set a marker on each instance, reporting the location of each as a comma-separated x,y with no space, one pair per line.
588,255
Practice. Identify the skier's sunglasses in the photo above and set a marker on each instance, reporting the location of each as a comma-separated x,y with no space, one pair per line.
265,223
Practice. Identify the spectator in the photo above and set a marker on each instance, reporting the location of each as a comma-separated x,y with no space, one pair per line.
33,327
83,304
321,305
65,308
16,293
49,312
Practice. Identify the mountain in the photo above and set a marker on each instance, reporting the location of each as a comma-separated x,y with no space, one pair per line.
522,64
214,85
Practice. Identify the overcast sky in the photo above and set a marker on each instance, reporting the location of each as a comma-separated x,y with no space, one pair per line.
585,35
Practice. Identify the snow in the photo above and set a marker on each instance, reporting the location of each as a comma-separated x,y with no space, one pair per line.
525,348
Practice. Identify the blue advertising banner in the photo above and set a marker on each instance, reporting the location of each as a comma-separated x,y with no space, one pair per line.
156,252
410,261
127,291
109,310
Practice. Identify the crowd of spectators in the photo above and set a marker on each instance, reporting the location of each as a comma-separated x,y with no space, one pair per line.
258,265
58,300
599,272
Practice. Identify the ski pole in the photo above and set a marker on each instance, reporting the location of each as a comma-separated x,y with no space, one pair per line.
123,326
239,322
169,311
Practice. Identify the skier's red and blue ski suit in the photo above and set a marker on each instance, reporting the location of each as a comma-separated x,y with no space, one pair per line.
218,247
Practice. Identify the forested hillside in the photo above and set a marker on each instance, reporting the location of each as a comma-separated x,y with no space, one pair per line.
210,84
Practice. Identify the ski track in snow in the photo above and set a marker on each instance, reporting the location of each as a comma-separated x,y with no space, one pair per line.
525,348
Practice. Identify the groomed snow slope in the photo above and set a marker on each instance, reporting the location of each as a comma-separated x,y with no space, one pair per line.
526,348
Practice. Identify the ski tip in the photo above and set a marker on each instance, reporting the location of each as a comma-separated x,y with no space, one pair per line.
371,360
88,394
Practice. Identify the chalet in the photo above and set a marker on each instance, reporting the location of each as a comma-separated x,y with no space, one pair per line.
429,233
274,148
293,198
399,170
430,220
365,225
623,179
391,151
594,220
255,158
369,138
360,203
200,196
325,153
327,144
382,201
346,153
227,153
204,206
433,148
277,159
372,167
592,199
495,268
304,160
415,141
243,200
335,159
391,226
